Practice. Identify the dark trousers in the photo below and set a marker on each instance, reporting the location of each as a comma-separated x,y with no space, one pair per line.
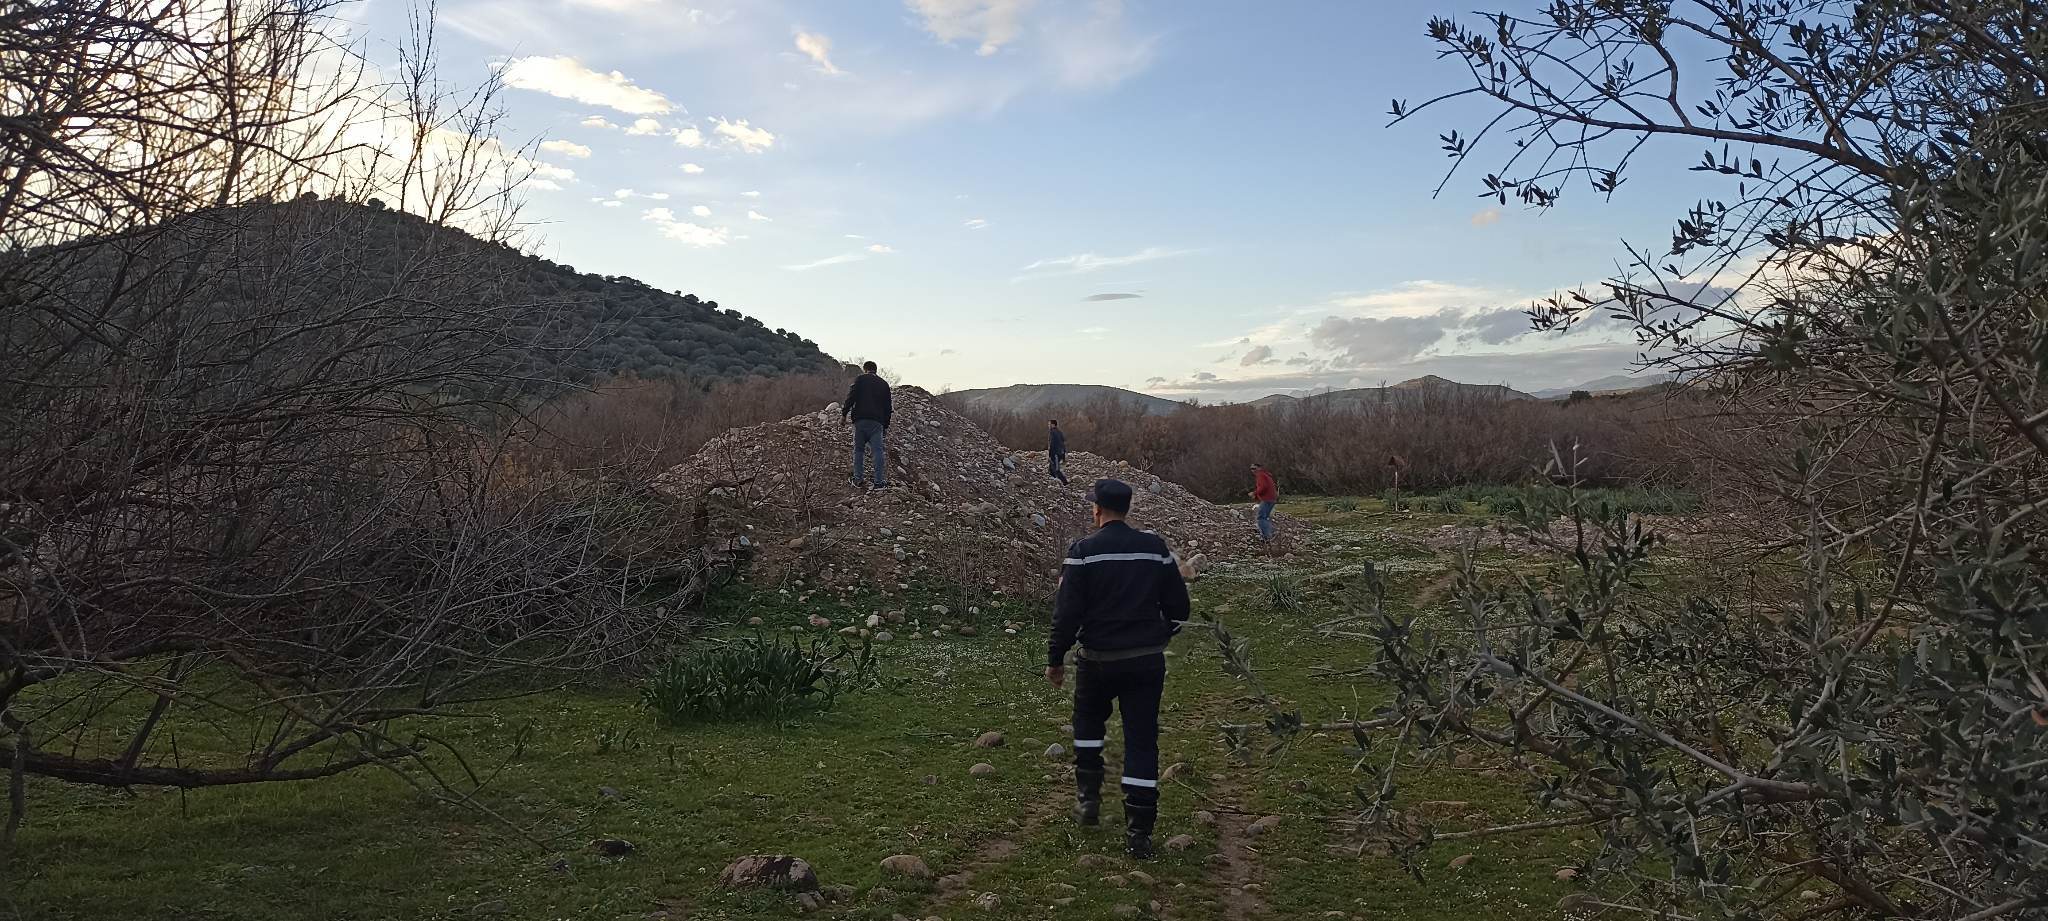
1054,468
1132,687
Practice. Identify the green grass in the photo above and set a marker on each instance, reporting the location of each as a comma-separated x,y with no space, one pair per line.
842,788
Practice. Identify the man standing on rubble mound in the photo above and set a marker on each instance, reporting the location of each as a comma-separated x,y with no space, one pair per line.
868,404
1121,596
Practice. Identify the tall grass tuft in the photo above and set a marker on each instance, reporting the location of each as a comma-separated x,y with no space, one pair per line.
1283,593
753,679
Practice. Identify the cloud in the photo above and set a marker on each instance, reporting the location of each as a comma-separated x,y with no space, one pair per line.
974,223
1095,51
692,168
1259,355
989,23
745,136
1495,327
1204,376
644,126
1094,331
751,194
608,202
949,351
1486,217
877,249
689,233
758,216
700,210
596,121
688,137
1112,296
567,149
1080,263
566,78
1369,341
819,48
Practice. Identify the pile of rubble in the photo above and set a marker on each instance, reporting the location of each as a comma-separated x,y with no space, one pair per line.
961,509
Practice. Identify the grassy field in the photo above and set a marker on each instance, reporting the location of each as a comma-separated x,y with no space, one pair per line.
884,772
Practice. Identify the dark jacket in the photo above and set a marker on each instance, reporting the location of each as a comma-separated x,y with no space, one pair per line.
867,399
1059,442
1119,590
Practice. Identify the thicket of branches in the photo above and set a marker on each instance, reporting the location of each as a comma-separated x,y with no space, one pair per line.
1312,446
257,519
1868,739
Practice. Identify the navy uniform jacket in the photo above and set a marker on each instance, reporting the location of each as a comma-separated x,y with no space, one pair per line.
1120,592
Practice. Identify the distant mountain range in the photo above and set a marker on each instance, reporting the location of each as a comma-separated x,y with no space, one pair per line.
1032,398
1025,398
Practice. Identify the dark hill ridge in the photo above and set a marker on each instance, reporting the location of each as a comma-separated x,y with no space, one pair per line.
561,326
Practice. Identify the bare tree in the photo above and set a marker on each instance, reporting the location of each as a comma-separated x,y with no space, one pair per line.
260,516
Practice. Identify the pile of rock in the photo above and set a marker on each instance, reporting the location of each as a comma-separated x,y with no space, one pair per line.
961,509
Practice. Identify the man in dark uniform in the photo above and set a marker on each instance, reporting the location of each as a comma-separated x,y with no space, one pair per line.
1122,599
1056,451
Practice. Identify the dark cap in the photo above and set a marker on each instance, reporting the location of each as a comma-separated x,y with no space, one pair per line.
1114,495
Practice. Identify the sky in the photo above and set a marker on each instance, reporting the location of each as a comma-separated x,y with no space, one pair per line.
1195,198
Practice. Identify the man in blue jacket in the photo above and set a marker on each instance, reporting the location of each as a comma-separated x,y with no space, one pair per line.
1121,598
1057,452
868,404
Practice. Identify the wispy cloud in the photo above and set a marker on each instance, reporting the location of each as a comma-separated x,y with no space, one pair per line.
974,223
644,126
689,233
692,168
700,210
1112,296
566,78
873,250
1486,217
758,216
751,194
990,24
1081,263
745,136
819,49
566,148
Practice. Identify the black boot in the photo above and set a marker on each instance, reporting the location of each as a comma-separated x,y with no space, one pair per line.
1138,830
1087,796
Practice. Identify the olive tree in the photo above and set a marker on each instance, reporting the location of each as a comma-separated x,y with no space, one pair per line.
1870,294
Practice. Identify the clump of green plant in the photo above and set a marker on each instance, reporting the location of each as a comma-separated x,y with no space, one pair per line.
754,679
1450,505
1394,501
1342,505
1283,593
1506,506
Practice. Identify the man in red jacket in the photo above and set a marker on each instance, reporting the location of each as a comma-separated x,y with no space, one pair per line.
1265,492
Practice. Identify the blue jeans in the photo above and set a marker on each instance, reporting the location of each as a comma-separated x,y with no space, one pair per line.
867,433
1266,520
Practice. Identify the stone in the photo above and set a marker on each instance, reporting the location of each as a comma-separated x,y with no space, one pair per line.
849,631
1262,826
608,792
1567,874
881,894
931,780
1459,862
989,739
988,901
1180,842
969,631
809,901
983,769
873,621
884,637
1142,878
796,542
1205,817
1173,771
754,621
954,882
612,847
820,622
909,865
1118,880
772,871
839,892
1038,519
1091,861
1063,889
1055,750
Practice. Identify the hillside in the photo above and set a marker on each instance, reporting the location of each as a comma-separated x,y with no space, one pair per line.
1613,383
1033,398
1421,390
329,258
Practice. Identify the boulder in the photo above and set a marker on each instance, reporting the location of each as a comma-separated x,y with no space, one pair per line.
983,769
1179,843
907,865
1262,826
771,871
989,739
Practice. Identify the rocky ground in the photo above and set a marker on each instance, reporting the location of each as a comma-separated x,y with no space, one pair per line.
961,508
